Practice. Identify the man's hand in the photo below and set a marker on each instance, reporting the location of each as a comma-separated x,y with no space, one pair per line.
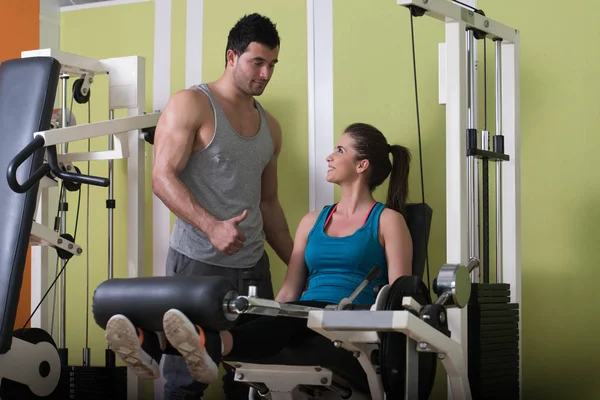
225,235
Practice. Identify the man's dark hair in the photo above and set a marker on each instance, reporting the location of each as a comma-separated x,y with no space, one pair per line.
252,28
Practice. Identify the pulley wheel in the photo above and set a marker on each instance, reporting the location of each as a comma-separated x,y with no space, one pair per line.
77,95
11,390
392,354
73,186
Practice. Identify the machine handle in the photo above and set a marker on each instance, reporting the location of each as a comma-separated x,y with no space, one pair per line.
373,273
72,177
11,172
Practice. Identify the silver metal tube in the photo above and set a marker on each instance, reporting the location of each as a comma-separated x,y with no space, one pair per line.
499,275
498,87
472,170
254,305
111,196
499,261
473,263
63,227
471,106
86,357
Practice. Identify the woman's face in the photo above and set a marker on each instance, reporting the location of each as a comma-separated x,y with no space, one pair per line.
342,163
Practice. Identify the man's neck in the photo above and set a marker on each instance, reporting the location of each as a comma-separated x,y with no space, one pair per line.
227,89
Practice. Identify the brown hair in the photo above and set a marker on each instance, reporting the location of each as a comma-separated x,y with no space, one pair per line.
370,144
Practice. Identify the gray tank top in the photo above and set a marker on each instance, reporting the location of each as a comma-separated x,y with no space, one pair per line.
225,178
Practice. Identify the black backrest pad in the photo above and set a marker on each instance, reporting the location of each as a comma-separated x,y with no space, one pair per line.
27,91
418,218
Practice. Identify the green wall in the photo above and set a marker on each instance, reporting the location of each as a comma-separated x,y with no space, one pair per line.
560,225
373,82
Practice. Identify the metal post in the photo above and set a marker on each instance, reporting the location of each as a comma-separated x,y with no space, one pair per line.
472,172
499,275
63,226
110,202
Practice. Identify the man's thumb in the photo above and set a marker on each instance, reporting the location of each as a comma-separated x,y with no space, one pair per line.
240,217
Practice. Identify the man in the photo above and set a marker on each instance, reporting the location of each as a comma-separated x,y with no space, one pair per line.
215,168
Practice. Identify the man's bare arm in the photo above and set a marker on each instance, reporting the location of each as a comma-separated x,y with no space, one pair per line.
174,140
274,222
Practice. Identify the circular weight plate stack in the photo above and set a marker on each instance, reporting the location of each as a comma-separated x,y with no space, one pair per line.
11,390
393,344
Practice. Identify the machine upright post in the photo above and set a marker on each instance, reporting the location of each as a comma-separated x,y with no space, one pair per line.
499,143
63,204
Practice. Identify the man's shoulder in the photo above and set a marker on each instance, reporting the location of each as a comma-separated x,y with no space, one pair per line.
189,97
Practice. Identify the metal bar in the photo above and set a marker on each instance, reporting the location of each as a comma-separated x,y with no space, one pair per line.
445,11
70,63
96,129
486,220
111,197
41,235
254,305
499,275
411,385
472,168
457,227
63,226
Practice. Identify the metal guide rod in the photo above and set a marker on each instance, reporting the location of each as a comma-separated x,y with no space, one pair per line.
472,173
63,225
110,202
87,361
499,277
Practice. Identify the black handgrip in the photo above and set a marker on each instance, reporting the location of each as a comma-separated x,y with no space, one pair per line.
11,172
71,177
373,273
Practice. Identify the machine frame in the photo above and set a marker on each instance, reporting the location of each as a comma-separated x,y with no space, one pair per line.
125,140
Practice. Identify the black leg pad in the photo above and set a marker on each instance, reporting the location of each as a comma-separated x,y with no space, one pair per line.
145,300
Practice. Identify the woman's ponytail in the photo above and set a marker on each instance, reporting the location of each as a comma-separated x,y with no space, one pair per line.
398,184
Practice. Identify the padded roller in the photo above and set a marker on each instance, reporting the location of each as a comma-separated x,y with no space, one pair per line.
145,300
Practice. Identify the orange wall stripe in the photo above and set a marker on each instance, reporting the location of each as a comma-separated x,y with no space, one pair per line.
20,31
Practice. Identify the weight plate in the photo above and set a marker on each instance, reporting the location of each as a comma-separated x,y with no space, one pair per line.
393,344
495,307
489,300
475,313
487,293
490,286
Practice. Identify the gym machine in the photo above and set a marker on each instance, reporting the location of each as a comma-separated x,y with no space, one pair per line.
393,341
37,161
389,350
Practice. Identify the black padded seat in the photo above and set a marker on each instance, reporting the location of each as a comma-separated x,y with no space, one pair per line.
27,91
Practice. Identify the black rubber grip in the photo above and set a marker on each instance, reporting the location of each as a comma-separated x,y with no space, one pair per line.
373,273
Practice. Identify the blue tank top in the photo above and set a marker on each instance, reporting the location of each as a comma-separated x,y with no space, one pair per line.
337,265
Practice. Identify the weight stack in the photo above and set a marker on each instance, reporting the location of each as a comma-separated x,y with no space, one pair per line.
493,342
92,383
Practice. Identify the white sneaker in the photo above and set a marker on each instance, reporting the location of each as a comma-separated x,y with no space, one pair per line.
189,340
122,338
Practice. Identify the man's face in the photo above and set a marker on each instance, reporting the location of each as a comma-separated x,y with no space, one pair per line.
253,69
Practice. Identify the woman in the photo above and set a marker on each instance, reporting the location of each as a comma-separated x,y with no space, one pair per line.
334,249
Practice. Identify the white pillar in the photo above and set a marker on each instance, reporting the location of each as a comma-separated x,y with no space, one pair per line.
456,164
319,20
